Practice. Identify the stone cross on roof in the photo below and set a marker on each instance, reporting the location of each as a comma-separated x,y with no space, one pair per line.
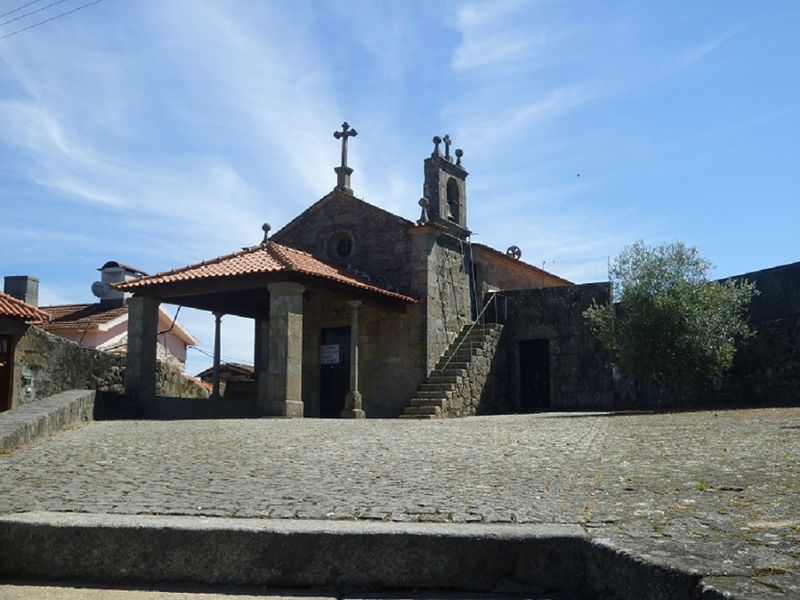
343,172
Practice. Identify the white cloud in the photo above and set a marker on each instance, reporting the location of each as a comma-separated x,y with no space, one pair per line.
491,36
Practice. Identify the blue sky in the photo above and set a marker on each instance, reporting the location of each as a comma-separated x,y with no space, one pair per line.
162,133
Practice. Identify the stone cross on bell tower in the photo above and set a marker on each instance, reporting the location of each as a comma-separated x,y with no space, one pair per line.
343,172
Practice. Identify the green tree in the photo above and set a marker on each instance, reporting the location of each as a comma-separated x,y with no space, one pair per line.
671,325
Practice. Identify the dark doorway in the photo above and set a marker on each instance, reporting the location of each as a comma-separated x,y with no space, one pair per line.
334,379
534,375
5,372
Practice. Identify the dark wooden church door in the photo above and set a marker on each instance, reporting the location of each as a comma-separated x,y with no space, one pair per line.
534,375
5,372
334,379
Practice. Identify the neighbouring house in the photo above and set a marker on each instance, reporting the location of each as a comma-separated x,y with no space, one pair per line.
16,316
235,379
47,350
229,372
104,324
361,312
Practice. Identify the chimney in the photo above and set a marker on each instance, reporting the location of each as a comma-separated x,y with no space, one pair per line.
22,287
110,273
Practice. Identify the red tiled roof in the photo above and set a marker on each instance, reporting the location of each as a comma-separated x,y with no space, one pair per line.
15,308
235,368
265,258
81,316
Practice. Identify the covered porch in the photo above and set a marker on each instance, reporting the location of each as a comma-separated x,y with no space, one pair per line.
306,315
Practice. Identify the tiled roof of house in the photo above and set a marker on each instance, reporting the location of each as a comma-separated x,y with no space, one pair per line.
17,309
265,258
81,317
234,368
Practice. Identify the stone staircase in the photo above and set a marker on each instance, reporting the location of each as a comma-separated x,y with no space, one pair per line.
455,390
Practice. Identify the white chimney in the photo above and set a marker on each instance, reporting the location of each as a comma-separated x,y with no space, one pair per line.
110,273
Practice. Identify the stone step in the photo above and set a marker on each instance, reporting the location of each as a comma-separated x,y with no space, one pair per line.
454,367
423,410
405,416
450,371
454,379
433,393
466,354
436,387
440,402
455,364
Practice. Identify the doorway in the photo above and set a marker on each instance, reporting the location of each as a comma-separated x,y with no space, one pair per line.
534,375
5,372
334,378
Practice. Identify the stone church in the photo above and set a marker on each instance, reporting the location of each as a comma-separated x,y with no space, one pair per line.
360,312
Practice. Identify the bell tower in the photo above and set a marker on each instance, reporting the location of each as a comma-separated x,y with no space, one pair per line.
445,188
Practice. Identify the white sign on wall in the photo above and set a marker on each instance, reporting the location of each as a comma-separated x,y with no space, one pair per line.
329,354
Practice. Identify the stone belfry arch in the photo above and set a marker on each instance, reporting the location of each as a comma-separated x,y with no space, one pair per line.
445,186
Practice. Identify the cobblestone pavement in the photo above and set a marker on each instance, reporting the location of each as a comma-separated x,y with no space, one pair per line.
714,491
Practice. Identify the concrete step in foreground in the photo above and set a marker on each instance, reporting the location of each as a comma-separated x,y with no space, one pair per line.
73,591
538,560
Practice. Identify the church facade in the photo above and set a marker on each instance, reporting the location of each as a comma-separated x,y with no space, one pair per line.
360,312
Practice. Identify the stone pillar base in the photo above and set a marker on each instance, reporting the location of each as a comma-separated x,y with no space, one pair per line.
352,406
353,413
290,408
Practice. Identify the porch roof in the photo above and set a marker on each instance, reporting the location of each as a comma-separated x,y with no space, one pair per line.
17,309
209,284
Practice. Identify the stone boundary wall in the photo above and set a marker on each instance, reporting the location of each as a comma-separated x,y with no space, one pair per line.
766,368
36,420
46,364
779,292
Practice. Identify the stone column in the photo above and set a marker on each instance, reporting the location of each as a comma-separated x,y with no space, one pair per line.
353,406
140,369
285,372
261,355
215,369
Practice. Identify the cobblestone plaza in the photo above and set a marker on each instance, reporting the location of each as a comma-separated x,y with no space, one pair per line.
714,491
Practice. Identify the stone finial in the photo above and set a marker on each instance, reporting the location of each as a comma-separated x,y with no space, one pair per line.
514,252
436,141
459,154
265,228
447,142
424,204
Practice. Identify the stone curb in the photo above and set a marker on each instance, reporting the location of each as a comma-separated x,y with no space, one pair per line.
331,554
29,422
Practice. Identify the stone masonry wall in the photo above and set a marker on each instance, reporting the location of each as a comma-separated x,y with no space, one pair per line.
478,393
380,243
495,271
46,364
766,367
448,303
580,370
391,353
53,364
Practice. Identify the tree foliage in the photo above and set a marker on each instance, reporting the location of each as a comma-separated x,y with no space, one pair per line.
671,324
